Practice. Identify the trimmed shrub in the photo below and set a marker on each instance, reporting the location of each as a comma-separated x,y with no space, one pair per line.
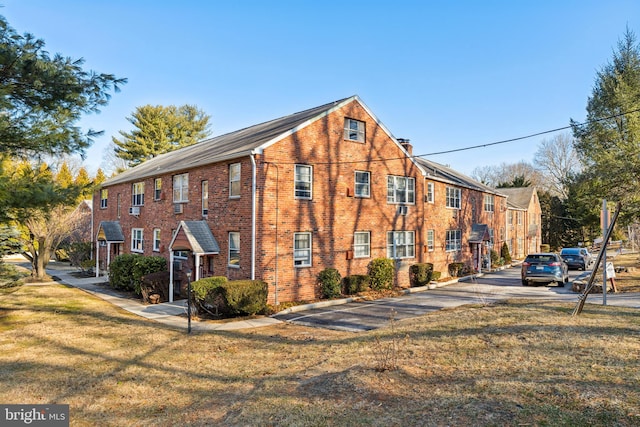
217,296
381,271
436,275
504,253
329,280
545,248
495,258
420,274
126,270
121,272
206,296
245,296
356,283
456,269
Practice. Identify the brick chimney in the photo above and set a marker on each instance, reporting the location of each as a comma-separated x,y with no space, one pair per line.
406,145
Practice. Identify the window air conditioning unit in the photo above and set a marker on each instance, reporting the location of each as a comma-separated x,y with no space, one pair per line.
134,210
177,208
402,210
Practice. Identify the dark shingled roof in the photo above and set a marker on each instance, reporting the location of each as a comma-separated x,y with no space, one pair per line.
112,231
479,233
224,147
442,173
518,197
199,236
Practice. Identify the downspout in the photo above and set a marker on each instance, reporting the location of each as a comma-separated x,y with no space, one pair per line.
253,217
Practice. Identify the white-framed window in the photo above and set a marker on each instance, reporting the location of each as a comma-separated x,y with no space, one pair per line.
137,194
302,249
453,240
453,197
181,188
234,180
430,192
303,182
180,254
401,189
157,188
362,244
354,130
489,203
519,217
234,249
431,240
205,197
510,217
491,238
137,240
156,240
362,184
401,244
104,194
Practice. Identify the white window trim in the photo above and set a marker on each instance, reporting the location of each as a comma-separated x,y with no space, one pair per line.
156,240
456,197
360,132
453,244
137,194
157,189
237,250
362,245
392,249
309,250
295,182
182,191
104,201
134,240
431,240
204,185
231,180
367,185
409,190
489,203
430,192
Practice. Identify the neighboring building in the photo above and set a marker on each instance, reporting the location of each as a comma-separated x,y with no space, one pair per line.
524,219
282,200
464,219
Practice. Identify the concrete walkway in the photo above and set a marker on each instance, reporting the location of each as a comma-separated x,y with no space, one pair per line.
169,313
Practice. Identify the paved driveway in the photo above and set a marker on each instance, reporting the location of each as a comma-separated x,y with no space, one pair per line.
363,316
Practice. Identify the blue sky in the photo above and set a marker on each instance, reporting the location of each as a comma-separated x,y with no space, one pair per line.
443,74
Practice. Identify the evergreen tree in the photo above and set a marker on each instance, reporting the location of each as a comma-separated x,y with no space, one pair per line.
42,97
160,129
609,142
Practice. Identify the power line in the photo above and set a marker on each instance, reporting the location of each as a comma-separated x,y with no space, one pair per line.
472,147
455,150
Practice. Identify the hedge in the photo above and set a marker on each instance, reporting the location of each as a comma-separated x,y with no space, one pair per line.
217,296
381,271
420,274
126,270
329,280
356,283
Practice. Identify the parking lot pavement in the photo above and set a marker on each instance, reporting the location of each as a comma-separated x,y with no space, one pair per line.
492,287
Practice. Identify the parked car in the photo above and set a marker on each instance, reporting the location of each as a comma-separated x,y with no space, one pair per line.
579,258
544,268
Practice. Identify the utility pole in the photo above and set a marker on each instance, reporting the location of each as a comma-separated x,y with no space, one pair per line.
605,226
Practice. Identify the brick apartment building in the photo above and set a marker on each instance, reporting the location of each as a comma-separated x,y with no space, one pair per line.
282,200
524,214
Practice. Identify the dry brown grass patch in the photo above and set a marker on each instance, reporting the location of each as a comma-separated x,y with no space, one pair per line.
518,362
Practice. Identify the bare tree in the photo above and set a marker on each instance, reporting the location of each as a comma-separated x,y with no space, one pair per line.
111,163
557,160
507,173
